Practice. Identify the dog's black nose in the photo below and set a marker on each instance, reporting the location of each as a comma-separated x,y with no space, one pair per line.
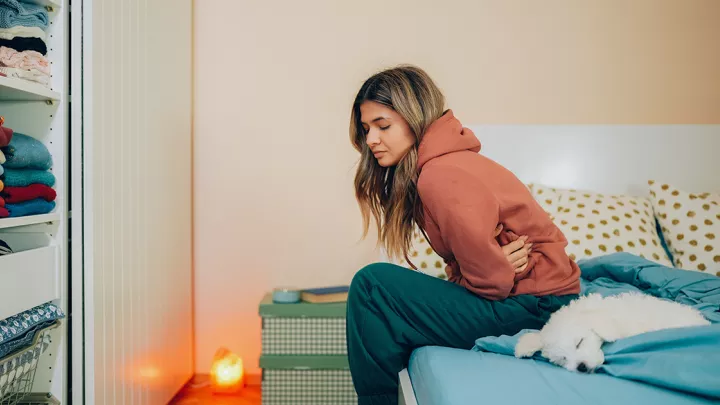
582,368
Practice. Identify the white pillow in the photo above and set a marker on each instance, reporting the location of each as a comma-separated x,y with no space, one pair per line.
547,197
691,226
596,225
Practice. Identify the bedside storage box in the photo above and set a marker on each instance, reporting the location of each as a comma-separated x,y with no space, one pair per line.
306,380
304,354
303,328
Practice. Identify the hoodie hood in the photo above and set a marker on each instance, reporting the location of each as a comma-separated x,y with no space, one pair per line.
446,135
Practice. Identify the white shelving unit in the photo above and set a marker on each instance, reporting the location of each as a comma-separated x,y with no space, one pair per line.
48,219
38,270
46,3
131,86
12,89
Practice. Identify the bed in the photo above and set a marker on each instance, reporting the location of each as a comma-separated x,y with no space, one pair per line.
449,376
613,162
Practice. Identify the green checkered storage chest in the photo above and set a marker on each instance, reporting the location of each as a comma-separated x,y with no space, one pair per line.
304,354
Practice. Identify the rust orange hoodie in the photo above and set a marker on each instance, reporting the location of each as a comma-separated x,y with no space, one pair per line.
465,196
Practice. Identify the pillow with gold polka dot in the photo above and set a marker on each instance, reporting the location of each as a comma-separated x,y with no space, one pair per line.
546,196
690,224
597,224
424,257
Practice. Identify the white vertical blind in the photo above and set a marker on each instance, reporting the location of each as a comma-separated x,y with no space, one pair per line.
137,102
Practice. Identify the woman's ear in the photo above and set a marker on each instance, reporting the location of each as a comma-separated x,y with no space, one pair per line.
528,344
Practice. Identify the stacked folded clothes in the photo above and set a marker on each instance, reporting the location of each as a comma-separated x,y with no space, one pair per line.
4,248
5,138
3,211
18,331
26,152
22,41
27,183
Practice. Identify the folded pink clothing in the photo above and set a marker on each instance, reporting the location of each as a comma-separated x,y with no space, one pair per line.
4,212
26,60
32,75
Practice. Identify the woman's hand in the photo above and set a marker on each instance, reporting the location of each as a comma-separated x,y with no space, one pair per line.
517,252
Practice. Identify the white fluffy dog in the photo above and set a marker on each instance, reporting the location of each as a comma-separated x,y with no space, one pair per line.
574,335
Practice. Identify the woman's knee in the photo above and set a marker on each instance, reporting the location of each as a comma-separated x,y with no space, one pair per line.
372,274
366,278
363,280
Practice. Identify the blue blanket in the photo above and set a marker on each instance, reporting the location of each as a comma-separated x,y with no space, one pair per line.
14,13
37,206
686,359
26,177
26,152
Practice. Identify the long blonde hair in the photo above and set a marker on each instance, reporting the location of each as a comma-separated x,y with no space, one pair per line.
389,194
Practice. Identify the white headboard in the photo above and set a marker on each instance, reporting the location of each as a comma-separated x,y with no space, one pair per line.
607,158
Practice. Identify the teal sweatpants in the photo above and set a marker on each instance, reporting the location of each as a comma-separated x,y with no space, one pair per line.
393,310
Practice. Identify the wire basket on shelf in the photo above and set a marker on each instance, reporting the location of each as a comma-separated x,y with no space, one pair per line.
17,371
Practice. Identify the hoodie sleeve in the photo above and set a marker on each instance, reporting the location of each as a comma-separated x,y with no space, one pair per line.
466,213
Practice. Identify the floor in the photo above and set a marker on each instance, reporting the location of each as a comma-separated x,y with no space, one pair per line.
198,391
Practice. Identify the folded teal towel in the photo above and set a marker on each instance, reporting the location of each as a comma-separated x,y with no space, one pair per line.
24,178
37,206
26,152
14,13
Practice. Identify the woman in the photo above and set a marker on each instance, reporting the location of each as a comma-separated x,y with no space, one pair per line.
420,168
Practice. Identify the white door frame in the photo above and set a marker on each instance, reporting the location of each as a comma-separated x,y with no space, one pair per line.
80,73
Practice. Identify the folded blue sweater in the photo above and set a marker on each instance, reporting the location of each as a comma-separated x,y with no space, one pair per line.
37,206
14,13
26,152
26,177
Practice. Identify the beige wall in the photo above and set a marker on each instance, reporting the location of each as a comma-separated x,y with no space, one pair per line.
274,84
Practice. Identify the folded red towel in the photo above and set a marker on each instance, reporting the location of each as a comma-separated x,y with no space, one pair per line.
4,213
14,195
2,202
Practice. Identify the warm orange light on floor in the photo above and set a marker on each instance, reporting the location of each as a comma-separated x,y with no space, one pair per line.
227,374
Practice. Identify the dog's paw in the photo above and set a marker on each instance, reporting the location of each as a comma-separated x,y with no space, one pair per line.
528,344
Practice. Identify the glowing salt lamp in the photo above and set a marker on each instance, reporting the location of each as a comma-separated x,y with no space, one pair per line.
227,374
